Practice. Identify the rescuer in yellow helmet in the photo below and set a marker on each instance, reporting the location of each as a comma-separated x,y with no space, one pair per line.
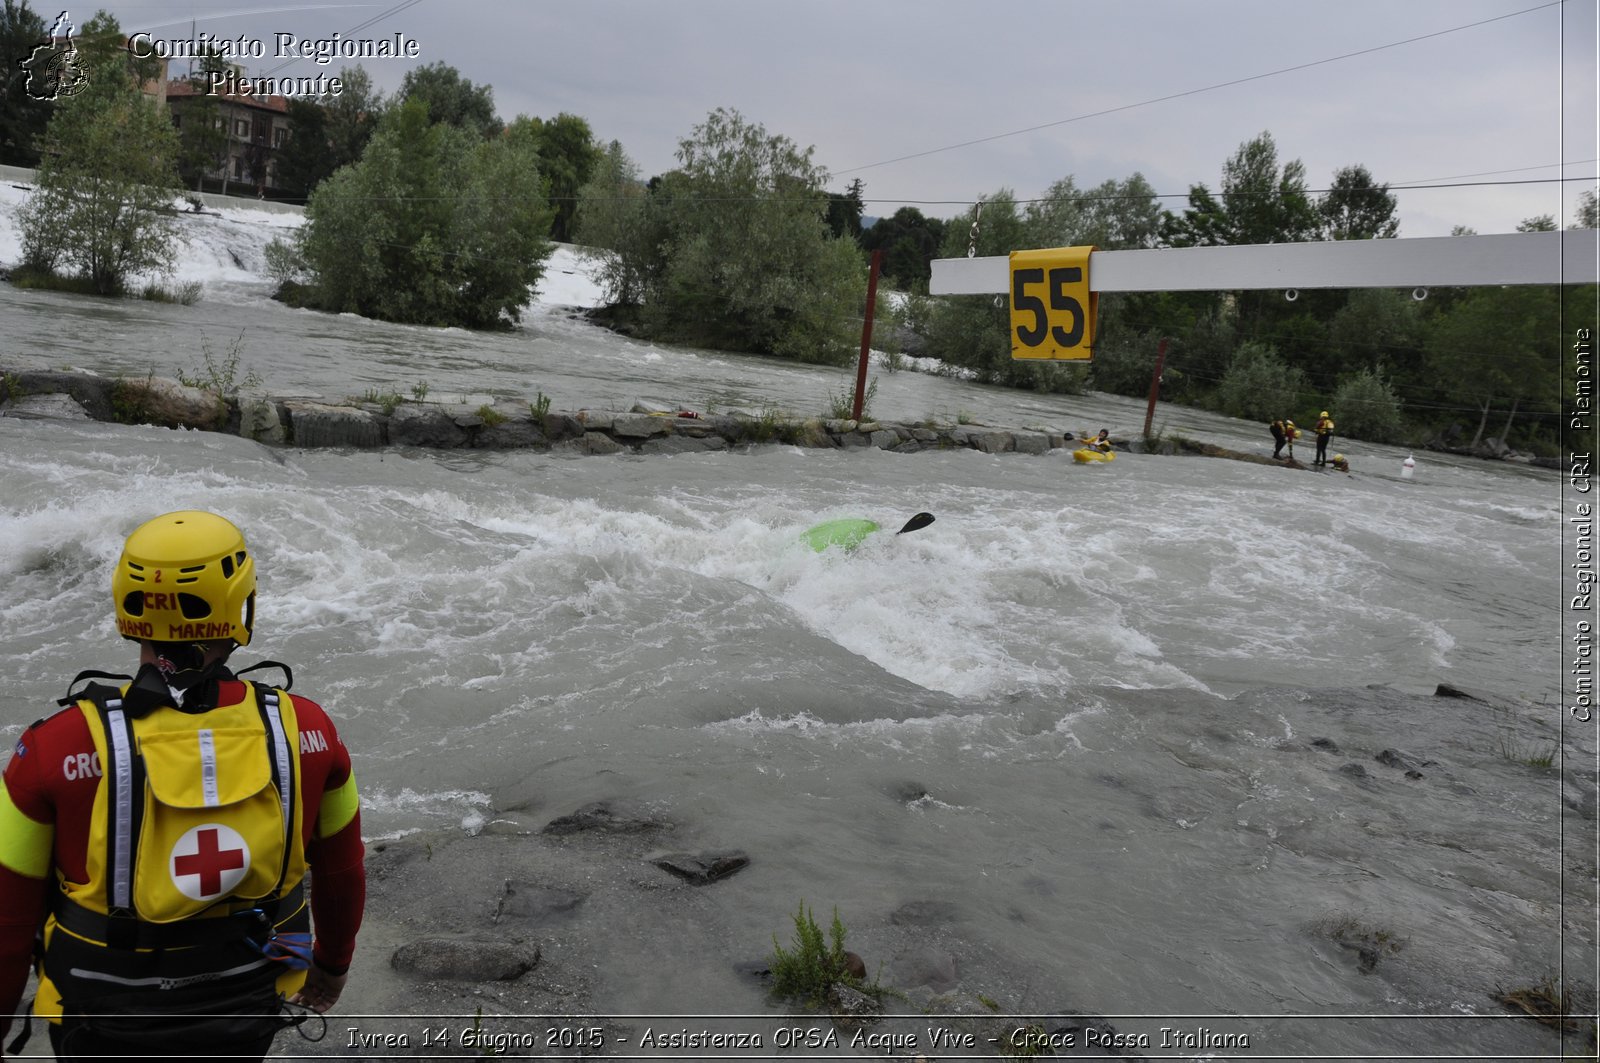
1324,434
159,836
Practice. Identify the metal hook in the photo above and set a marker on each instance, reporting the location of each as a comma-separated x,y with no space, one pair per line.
1292,294
1419,294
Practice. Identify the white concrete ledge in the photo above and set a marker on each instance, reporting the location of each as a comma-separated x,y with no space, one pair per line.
1569,256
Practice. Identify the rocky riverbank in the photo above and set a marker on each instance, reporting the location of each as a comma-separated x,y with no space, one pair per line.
307,421
392,421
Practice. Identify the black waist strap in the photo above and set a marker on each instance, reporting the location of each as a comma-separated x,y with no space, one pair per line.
130,932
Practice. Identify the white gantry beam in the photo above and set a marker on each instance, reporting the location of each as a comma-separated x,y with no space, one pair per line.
1568,256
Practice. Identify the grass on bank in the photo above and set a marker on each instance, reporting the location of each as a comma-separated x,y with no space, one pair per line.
31,278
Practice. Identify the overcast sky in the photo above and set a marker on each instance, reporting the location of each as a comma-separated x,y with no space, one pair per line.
886,90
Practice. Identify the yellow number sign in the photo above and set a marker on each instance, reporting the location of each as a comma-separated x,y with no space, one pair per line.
1052,308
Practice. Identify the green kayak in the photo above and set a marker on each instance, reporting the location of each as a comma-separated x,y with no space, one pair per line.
845,533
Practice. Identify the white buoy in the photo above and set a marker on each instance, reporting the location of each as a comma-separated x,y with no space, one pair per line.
1408,467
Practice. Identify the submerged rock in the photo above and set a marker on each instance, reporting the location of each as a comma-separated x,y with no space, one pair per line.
700,869
604,818
464,961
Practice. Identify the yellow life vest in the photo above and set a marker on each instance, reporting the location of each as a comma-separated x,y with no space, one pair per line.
195,850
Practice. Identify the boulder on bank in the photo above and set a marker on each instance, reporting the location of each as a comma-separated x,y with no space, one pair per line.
52,407
259,418
316,424
419,425
93,393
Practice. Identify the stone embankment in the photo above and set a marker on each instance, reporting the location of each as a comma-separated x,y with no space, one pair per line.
501,425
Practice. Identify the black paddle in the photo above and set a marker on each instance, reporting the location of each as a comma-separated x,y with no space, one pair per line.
921,520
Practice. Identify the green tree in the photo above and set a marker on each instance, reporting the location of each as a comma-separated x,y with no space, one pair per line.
610,223
452,99
22,118
1376,325
433,226
731,250
1114,216
202,140
844,211
1368,408
102,205
1261,203
1588,213
1496,346
909,242
1356,208
326,136
567,158
1258,385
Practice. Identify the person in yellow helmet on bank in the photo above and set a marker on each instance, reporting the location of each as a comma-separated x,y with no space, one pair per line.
1324,434
158,837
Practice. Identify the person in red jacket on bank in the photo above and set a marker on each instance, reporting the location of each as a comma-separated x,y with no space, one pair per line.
158,839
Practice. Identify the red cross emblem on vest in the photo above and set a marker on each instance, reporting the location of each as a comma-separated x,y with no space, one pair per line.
209,861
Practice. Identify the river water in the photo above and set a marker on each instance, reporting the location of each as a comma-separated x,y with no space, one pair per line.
1082,708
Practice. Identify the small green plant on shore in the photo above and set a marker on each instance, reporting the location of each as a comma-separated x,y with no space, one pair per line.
220,376
540,405
490,416
1535,753
769,426
10,392
842,405
419,391
815,965
389,400
964,417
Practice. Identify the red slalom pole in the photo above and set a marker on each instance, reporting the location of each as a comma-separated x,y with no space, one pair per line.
1155,386
866,334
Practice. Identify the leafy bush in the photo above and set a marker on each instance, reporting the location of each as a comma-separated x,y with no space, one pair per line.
220,376
1258,385
104,187
1367,408
732,249
284,263
434,226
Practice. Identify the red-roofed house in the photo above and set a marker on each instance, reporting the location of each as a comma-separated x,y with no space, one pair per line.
256,127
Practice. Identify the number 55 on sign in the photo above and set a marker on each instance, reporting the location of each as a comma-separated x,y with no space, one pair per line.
1052,308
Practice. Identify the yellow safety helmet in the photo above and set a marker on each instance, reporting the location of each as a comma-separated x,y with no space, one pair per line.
1324,413
1290,424
1338,458
185,577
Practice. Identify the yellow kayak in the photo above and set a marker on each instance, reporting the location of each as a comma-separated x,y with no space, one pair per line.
1085,454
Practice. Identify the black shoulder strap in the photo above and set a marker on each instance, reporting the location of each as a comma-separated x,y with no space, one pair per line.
288,676
96,692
